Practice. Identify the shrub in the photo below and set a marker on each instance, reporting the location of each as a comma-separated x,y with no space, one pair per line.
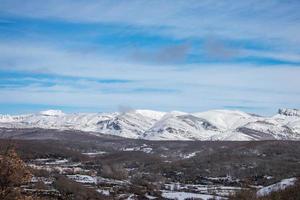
114,171
75,191
13,174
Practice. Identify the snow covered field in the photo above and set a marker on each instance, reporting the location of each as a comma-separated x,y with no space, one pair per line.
188,195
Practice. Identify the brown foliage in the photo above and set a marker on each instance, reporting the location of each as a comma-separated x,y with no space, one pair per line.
244,195
13,173
146,183
115,171
72,190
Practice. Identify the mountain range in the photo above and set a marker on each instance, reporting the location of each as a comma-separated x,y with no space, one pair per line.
214,125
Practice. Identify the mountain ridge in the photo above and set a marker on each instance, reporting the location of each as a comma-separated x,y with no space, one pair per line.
155,125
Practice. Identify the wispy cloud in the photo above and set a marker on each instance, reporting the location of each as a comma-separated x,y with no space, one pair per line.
188,87
184,18
171,54
185,55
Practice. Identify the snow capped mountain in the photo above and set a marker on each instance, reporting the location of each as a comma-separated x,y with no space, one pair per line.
131,124
52,113
181,126
156,115
226,119
154,125
289,112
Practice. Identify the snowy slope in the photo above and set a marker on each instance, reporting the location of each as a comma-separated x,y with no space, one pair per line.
181,126
276,187
155,125
131,124
226,119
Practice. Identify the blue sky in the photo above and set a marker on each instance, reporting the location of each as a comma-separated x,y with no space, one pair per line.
99,55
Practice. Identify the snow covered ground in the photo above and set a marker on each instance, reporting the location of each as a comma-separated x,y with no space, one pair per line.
210,189
62,166
276,187
188,195
93,154
143,148
104,192
83,179
190,155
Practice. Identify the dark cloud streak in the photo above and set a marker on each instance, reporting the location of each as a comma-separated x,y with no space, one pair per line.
165,55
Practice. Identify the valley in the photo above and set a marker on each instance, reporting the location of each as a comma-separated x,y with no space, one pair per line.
109,167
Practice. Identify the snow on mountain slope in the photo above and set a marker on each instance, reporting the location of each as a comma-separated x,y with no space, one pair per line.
280,126
289,112
265,130
131,124
156,115
226,119
181,126
291,121
52,113
6,119
155,125
294,125
232,136
53,120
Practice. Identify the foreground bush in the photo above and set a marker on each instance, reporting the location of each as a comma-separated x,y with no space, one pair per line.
13,174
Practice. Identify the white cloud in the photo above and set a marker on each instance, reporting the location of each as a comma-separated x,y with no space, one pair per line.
267,21
200,87
274,24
